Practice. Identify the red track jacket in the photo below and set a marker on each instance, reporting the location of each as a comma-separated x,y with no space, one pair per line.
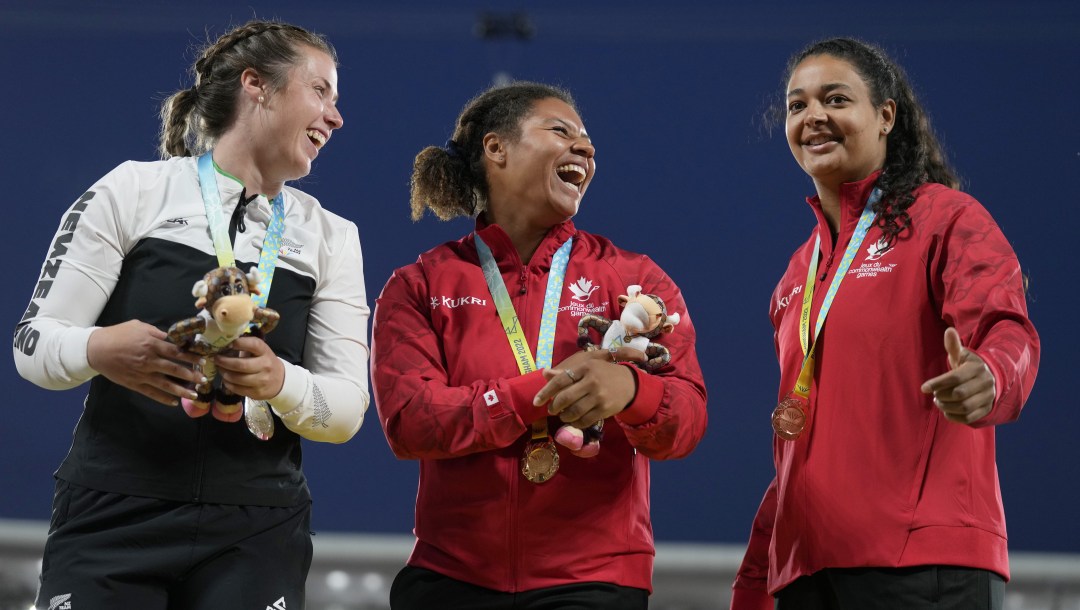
449,393
881,478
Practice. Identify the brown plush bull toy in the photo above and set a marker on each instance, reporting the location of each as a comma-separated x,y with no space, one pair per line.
226,311
644,317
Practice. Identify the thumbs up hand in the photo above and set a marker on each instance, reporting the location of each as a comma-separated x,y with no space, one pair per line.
966,393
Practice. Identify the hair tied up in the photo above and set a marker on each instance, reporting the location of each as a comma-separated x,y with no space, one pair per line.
453,149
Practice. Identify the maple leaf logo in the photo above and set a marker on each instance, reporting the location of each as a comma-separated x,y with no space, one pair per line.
583,289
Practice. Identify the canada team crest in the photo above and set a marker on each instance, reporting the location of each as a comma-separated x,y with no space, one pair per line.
583,289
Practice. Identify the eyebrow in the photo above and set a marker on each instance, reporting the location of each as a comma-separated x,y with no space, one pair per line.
828,87
570,125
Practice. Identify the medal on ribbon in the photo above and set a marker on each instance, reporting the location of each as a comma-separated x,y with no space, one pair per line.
540,460
791,417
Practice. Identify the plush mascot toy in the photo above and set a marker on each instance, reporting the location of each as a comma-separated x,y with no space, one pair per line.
644,317
226,311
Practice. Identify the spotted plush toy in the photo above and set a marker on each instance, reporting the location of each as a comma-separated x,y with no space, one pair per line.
226,311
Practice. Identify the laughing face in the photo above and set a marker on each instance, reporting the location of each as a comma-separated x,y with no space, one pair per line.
549,167
301,116
834,130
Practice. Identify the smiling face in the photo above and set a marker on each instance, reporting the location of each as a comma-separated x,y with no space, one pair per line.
544,172
834,130
300,117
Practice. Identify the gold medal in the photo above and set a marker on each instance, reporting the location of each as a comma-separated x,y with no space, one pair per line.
790,417
540,461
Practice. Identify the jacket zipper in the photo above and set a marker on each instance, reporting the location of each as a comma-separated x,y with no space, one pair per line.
524,278
828,264
512,518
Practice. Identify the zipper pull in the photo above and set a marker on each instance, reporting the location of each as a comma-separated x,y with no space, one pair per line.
825,273
524,270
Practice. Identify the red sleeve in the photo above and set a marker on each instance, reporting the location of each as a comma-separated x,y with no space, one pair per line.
667,417
982,295
422,416
751,588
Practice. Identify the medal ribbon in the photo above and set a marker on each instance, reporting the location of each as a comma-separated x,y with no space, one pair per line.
215,217
545,342
806,375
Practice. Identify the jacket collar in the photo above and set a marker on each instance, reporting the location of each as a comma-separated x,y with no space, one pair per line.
505,252
853,196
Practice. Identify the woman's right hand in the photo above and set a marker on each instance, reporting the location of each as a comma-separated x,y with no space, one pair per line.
137,356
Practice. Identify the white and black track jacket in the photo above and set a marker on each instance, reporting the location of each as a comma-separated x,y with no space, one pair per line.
132,247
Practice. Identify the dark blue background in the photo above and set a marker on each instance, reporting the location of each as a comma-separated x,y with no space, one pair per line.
671,93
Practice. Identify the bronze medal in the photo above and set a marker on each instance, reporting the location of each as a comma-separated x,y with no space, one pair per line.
540,461
790,417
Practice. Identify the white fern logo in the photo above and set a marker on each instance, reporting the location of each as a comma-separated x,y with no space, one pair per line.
583,289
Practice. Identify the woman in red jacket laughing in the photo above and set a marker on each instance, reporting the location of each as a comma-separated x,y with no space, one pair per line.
505,518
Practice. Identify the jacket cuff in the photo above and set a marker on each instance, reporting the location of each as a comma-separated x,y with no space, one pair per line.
73,358
750,599
996,415
646,402
522,390
294,389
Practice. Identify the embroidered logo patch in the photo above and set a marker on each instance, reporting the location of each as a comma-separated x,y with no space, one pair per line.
583,289
454,302
289,246
491,398
877,250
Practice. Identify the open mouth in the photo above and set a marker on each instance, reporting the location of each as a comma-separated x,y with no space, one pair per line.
819,140
572,174
316,137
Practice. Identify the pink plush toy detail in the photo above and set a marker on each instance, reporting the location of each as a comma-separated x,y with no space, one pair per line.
226,311
644,317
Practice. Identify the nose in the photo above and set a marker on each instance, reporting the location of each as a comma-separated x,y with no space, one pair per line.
584,146
333,117
815,114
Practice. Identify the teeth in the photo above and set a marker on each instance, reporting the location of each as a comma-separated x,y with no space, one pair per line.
318,138
572,173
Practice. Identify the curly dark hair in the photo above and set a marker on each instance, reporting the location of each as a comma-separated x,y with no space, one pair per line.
193,119
450,180
913,156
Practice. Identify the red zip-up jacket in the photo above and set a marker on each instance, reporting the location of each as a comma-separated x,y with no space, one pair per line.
449,393
880,478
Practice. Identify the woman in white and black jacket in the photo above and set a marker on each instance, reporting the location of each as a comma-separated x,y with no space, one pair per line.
153,508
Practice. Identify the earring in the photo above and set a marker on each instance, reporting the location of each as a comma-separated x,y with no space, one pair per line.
884,130
261,99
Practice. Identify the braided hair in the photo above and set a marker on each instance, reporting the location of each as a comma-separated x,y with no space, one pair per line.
913,155
450,180
193,119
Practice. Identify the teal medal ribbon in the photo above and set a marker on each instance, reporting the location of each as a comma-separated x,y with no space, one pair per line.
541,460
790,417
215,217
257,414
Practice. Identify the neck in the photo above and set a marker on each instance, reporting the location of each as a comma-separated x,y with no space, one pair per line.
235,155
525,237
830,206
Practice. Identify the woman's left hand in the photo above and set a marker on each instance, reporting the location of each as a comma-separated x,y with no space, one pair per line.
966,393
589,387
256,373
